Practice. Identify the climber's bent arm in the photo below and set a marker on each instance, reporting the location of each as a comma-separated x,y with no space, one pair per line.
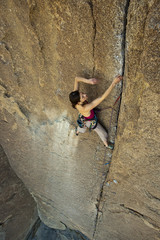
76,87
84,80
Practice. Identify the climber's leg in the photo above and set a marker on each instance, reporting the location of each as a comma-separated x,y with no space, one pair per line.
80,130
102,134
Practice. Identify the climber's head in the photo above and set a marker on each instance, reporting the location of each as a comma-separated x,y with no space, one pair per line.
83,97
74,97
77,97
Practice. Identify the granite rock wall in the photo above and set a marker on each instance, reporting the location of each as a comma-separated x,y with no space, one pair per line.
18,211
43,46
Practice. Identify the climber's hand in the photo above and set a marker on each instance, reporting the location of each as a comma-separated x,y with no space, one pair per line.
92,81
117,79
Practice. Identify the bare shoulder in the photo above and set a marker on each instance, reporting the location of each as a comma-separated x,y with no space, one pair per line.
82,109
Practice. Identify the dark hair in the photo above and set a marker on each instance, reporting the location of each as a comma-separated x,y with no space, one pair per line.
74,97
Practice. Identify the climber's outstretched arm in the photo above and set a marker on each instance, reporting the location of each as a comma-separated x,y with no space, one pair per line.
91,81
88,107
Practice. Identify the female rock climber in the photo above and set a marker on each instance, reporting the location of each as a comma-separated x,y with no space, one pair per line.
86,109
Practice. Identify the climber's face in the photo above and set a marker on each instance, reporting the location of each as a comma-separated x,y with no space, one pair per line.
83,97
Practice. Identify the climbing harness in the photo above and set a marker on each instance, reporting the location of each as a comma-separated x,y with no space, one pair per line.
81,121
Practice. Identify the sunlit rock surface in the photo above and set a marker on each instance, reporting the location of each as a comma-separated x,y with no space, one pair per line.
43,46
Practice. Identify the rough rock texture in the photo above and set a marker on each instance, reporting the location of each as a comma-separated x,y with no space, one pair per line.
42,232
17,208
43,46
131,206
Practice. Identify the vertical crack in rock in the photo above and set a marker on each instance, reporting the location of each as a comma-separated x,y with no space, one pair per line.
94,34
124,34
123,49
99,200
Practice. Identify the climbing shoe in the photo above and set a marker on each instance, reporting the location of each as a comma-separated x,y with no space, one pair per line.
110,145
76,131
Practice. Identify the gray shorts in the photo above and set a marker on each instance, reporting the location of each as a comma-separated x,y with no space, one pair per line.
99,130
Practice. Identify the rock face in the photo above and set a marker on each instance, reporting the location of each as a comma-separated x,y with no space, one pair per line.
131,206
41,232
17,208
43,46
